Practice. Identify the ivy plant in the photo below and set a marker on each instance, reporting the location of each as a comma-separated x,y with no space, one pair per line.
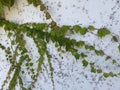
42,34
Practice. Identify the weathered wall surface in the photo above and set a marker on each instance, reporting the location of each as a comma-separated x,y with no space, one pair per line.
69,74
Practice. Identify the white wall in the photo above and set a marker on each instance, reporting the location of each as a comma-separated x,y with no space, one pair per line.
69,74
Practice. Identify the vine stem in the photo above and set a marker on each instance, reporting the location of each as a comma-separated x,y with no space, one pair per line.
112,34
10,69
8,76
11,45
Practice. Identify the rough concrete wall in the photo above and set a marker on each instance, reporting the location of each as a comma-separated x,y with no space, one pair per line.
69,74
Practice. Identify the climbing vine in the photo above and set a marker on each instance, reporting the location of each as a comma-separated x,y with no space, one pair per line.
43,33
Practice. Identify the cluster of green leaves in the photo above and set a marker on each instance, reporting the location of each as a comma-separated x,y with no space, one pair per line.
93,69
2,47
41,36
57,35
42,7
103,32
110,74
8,3
34,2
38,35
80,30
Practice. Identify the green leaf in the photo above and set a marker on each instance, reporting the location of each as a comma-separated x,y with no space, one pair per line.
1,20
103,32
53,24
83,31
99,71
40,26
42,7
91,28
13,42
23,42
86,47
92,64
77,56
9,34
2,47
115,38
110,74
53,33
89,47
80,43
30,1
99,52
108,57
85,63
77,28
93,70
113,61
106,75
64,29
26,64
36,2
31,64
48,16
83,55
